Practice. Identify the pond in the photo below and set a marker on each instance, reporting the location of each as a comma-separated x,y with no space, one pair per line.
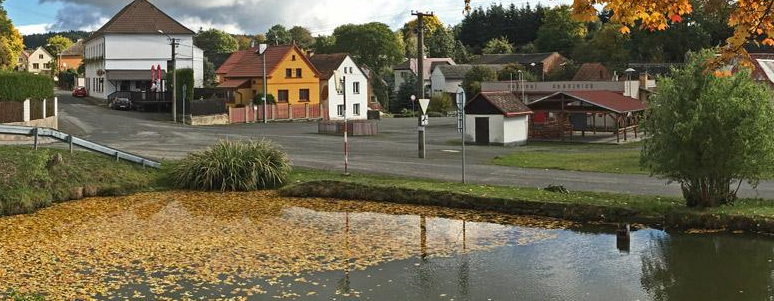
259,246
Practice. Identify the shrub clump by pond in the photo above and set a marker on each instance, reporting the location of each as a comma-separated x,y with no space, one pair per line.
233,166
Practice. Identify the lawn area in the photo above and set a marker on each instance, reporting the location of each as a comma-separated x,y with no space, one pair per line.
31,179
607,158
650,205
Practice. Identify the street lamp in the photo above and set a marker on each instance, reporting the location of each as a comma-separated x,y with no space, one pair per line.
413,99
262,51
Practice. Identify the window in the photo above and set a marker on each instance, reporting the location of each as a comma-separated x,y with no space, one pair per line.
288,73
356,87
340,110
303,95
356,109
40,56
298,72
282,95
293,58
35,66
46,66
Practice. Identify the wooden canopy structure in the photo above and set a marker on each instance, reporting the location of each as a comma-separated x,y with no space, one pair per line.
560,114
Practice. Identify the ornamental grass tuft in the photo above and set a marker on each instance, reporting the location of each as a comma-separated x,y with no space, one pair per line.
233,166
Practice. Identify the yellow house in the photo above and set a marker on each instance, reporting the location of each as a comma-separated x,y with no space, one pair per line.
291,77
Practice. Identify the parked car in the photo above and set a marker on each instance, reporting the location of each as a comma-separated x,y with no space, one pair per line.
120,103
80,92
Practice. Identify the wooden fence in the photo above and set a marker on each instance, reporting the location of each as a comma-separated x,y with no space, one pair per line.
275,113
12,111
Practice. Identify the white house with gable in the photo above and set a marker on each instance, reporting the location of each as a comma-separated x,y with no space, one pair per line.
40,61
119,56
356,86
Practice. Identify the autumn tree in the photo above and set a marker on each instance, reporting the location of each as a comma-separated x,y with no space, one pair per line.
56,45
278,35
709,133
499,45
559,31
302,37
11,43
214,41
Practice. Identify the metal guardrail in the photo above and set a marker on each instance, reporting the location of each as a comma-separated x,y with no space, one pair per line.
75,141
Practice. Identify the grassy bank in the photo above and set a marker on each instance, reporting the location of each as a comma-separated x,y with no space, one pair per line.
31,179
744,214
607,158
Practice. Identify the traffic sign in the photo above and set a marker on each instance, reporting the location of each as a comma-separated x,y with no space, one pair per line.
423,103
425,120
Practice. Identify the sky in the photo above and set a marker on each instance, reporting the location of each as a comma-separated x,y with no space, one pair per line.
242,16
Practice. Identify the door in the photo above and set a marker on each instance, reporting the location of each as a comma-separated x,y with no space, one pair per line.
482,130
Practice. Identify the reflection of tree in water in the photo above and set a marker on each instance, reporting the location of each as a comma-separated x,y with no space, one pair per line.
708,267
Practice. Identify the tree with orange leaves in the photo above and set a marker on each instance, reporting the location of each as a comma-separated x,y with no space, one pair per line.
751,20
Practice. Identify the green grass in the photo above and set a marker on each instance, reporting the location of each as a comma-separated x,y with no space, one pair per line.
651,205
29,181
606,158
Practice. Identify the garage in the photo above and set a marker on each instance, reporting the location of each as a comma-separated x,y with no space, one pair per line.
496,118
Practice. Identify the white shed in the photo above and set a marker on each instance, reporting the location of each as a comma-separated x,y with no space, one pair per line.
497,118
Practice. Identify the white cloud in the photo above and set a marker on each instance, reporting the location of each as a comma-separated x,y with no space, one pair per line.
33,28
256,16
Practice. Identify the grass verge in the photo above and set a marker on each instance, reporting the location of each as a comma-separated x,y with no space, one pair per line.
31,179
607,158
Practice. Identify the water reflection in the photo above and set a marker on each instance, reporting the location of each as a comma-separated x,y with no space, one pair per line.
259,246
708,267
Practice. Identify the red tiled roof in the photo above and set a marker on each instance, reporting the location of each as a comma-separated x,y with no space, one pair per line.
507,102
233,83
141,16
327,63
248,63
608,100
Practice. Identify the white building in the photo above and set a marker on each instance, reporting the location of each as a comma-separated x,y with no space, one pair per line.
409,67
447,78
497,118
40,61
119,56
356,86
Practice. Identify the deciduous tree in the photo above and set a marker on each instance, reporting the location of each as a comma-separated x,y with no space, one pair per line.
278,35
472,81
372,44
214,41
709,133
559,31
441,43
499,45
302,37
11,44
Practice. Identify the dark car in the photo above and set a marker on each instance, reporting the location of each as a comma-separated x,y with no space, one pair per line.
120,103
80,92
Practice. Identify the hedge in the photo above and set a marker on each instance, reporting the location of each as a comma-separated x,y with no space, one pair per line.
185,77
20,86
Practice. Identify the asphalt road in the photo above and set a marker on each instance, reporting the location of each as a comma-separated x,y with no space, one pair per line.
393,151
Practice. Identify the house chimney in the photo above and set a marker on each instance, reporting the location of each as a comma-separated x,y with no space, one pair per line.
644,79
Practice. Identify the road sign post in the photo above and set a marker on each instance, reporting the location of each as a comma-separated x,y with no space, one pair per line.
423,121
461,124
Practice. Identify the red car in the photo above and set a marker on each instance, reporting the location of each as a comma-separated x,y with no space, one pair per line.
80,92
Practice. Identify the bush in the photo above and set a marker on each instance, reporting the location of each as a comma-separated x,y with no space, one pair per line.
709,133
440,103
19,86
233,166
258,99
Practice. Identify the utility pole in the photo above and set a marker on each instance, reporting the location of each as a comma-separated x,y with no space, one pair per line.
173,42
346,129
421,74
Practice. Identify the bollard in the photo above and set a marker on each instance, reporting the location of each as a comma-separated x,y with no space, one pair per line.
117,157
70,140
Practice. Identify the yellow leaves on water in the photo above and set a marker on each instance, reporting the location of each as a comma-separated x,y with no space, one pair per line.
94,247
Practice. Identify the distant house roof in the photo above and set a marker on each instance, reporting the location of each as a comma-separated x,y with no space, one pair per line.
520,58
26,53
607,100
234,83
327,63
141,16
506,103
763,64
592,72
428,65
76,49
459,71
249,64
